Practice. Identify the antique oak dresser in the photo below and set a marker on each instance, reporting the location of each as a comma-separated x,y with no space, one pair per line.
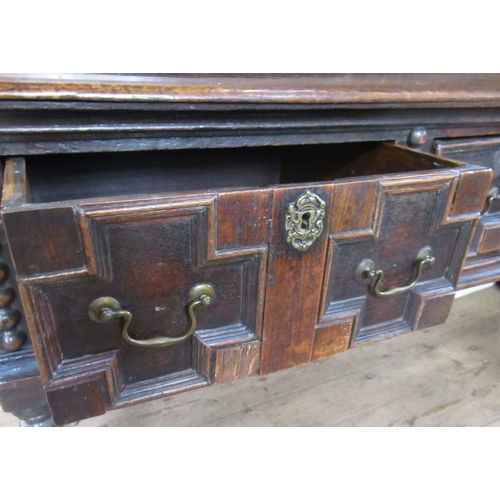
164,232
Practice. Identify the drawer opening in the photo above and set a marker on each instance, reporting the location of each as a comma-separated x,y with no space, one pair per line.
54,178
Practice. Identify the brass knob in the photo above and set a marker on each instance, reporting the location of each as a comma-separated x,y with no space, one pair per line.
105,309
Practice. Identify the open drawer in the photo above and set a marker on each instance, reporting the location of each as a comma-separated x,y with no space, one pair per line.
301,252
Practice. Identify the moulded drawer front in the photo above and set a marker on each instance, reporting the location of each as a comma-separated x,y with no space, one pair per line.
282,260
320,303
489,237
397,273
483,262
147,256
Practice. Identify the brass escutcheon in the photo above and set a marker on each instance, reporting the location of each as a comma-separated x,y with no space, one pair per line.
304,221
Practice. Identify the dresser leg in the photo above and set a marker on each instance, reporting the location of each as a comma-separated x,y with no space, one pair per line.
35,417
26,400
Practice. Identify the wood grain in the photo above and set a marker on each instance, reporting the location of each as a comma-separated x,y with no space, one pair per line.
489,238
332,338
16,190
145,225
294,288
243,218
147,255
392,240
312,88
483,260
31,236
228,363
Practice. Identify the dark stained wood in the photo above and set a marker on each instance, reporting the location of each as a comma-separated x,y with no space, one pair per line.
478,151
12,325
73,177
37,249
66,402
446,376
489,238
446,210
471,193
483,259
434,308
147,255
46,127
97,380
161,182
43,114
26,399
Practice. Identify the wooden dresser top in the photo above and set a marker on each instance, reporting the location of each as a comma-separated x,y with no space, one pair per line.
342,89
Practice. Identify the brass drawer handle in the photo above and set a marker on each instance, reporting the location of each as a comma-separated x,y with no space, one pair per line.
106,309
365,273
493,194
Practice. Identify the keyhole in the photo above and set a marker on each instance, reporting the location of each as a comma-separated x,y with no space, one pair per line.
305,220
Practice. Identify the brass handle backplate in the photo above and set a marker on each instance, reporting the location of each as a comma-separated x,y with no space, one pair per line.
493,194
366,273
106,309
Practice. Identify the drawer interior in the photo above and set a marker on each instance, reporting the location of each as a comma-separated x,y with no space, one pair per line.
53,178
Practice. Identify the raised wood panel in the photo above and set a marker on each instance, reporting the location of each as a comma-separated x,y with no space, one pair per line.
471,193
483,151
354,205
489,237
483,259
444,222
332,338
244,218
45,241
433,307
228,363
66,401
147,255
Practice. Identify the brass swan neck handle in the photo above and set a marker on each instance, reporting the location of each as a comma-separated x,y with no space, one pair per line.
105,309
493,194
366,273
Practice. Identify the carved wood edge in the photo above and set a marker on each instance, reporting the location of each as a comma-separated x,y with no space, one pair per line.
303,88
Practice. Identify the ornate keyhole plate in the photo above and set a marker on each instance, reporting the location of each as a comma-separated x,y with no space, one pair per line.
304,221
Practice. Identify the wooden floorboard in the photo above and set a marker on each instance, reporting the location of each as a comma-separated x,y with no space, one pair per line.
443,376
